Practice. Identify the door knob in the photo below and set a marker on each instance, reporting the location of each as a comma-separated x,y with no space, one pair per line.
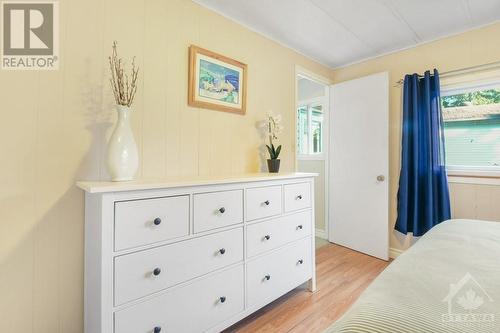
380,178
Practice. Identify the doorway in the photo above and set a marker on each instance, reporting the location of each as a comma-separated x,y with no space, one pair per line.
311,119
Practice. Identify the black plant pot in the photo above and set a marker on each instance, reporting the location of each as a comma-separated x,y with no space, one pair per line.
273,166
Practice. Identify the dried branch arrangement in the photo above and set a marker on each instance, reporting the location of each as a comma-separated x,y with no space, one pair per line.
124,88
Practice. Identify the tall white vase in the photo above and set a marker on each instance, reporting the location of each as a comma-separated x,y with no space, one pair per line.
123,159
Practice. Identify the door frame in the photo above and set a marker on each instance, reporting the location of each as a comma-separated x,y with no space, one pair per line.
305,73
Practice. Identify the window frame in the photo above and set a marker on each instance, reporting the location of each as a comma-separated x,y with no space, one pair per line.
309,104
469,170
473,171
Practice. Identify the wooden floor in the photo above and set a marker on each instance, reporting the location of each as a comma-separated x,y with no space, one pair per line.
342,275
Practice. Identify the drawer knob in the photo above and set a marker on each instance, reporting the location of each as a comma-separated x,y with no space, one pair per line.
299,226
222,299
222,251
267,202
301,261
156,271
267,237
299,197
222,210
267,277
157,221
157,329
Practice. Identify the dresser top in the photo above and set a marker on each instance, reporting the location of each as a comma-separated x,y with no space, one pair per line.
107,186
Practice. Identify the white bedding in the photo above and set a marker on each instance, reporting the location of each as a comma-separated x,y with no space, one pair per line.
413,294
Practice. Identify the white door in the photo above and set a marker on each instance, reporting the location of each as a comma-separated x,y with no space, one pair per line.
359,201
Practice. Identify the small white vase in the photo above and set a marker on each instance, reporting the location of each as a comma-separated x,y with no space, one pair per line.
123,159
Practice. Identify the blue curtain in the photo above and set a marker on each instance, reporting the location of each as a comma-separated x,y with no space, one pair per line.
423,197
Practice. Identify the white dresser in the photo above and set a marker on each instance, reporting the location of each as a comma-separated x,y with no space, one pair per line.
194,255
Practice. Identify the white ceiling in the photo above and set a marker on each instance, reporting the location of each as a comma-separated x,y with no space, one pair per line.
340,32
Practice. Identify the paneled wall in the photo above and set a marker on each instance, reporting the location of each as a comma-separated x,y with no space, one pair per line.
55,125
475,201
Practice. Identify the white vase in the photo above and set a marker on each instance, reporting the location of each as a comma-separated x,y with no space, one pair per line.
123,159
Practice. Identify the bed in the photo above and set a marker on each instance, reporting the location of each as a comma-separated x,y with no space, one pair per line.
449,281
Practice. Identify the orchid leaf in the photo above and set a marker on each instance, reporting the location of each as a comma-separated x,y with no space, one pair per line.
277,152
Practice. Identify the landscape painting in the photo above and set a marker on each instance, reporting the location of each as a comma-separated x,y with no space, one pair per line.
216,82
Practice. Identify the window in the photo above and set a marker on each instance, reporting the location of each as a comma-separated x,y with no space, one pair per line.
472,127
310,129
302,130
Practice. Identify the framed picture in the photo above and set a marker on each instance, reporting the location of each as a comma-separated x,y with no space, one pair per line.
216,82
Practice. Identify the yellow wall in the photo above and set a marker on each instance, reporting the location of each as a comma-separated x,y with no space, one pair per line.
469,49
55,124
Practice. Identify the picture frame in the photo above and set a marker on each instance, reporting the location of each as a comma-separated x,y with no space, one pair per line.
216,82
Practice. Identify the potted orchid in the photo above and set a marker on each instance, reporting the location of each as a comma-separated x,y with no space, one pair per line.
273,127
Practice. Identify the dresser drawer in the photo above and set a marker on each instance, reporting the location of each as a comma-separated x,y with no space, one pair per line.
192,308
217,209
297,196
143,273
263,202
273,275
141,222
274,233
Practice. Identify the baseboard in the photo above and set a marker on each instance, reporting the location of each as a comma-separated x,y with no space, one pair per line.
394,253
320,233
